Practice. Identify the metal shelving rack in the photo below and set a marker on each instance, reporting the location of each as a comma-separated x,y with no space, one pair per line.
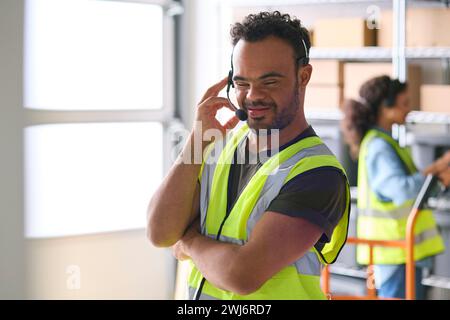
368,53
379,53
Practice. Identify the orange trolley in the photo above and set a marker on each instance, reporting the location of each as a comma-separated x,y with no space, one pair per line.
407,244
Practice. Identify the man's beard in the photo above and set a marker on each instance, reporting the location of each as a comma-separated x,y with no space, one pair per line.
287,115
283,118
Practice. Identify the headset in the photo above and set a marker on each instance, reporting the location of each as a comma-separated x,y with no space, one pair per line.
240,113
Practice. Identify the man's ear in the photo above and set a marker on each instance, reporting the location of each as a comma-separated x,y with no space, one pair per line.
304,74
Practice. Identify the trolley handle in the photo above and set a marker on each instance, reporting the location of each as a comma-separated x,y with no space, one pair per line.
425,190
422,197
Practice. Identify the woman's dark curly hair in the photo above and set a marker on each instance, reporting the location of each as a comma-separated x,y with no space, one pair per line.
259,26
361,115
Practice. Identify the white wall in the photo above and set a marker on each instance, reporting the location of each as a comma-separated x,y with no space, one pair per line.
12,248
115,265
205,58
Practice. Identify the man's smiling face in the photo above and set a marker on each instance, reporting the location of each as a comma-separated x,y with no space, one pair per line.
265,79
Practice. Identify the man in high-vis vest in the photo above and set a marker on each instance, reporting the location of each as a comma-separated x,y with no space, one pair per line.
257,229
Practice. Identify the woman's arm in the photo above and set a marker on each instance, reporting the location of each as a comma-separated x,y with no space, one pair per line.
387,175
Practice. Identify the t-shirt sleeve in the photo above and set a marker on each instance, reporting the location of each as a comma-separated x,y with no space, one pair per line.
318,195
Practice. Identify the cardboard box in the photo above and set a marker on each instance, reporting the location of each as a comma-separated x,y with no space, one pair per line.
355,74
327,72
343,32
435,98
425,27
323,97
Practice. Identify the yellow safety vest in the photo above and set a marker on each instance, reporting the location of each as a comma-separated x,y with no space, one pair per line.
301,280
384,220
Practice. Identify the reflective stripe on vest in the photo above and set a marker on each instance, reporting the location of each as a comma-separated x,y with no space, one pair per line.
301,280
397,214
381,220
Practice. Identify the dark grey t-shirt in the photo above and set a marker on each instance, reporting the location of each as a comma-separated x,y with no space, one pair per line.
318,195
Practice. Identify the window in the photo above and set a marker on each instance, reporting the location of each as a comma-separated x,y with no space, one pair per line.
90,177
98,88
85,54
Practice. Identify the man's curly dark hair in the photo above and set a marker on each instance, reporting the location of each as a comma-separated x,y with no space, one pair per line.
259,26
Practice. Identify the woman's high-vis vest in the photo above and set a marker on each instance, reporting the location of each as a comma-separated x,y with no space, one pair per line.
384,220
300,280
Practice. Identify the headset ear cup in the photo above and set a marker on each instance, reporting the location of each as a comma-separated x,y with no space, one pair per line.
390,99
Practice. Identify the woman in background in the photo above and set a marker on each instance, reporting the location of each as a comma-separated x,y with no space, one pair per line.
388,183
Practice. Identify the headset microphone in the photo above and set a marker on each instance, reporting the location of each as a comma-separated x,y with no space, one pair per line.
241,114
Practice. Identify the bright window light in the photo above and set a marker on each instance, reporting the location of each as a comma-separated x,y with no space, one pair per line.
89,178
87,54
